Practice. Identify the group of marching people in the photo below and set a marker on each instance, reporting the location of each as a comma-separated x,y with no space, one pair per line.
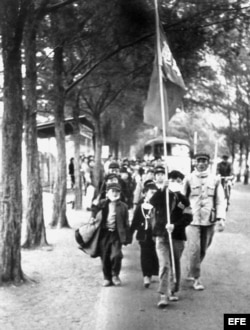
169,209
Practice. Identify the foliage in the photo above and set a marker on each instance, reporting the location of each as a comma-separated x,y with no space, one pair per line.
208,40
107,50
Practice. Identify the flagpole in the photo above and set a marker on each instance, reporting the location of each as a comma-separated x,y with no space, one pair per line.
163,114
215,158
195,142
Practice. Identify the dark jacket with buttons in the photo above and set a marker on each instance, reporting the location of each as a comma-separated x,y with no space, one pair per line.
180,214
122,221
142,225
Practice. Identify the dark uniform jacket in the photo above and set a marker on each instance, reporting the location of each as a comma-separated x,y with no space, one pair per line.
144,230
122,221
180,214
224,169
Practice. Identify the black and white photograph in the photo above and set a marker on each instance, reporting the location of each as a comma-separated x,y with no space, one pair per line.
124,164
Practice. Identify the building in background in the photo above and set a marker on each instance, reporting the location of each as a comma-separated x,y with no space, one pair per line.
48,150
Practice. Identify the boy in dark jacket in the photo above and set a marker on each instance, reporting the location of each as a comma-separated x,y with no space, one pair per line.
180,217
114,233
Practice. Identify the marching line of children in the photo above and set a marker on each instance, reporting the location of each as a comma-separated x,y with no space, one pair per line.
199,207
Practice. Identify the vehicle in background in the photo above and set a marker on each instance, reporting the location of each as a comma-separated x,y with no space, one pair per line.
178,153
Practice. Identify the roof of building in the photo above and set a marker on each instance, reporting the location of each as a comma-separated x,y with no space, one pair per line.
47,129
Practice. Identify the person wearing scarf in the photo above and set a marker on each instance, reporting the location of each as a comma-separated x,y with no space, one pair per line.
207,200
142,223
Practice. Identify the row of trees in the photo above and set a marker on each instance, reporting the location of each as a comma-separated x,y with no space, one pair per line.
95,58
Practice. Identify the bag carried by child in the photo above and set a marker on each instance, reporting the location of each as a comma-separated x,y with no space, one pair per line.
87,236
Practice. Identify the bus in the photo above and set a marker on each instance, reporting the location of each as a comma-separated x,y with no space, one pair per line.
178,153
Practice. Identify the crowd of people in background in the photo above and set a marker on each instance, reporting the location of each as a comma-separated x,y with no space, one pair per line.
165,210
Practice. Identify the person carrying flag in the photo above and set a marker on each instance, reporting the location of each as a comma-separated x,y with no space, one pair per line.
165,93
180,216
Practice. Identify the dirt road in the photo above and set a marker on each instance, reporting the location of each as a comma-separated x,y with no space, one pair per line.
67,292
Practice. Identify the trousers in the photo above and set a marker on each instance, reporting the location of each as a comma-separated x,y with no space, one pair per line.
110,253
166,281
199,238
149,260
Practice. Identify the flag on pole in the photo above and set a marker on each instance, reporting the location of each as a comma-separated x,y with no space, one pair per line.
173,86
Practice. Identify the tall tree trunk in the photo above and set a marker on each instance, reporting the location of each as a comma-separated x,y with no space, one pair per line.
98,153
238,177
248,133
233,150
241,146
78,179
35,229
247,155
12,22
59,218
116,149
231,141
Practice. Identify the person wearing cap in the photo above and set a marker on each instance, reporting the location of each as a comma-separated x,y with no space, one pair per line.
114,172
114,233
180,216
112,177
159,173
114,167
109,178
142,177
179,232
142,224
225,170
206,196
128,186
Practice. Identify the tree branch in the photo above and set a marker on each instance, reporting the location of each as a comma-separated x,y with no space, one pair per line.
106,57
59,5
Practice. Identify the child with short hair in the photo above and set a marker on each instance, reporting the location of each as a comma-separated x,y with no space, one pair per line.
180,217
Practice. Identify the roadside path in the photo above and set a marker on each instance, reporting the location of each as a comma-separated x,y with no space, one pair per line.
225,271
66,293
